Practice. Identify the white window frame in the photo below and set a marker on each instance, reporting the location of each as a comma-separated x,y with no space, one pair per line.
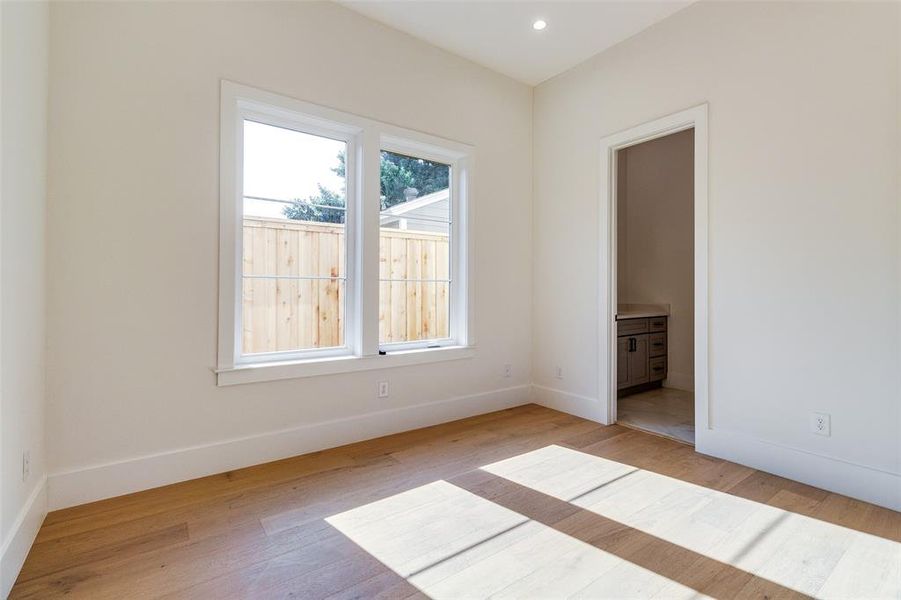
312,125
459,167
365,139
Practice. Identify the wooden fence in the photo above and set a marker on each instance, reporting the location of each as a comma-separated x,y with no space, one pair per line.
281,312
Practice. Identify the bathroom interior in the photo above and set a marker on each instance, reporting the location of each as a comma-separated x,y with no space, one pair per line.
655,286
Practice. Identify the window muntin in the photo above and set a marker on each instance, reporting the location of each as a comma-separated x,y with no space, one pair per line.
294,283
415,250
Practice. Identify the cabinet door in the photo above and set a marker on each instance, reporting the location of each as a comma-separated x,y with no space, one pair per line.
622,362
638,361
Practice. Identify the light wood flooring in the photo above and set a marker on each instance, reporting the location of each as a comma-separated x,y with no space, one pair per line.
665,411
522,503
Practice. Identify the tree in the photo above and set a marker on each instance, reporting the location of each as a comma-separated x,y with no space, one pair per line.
398,173
314,208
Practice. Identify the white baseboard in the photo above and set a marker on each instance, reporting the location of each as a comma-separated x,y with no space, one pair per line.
21,536
97,482
573,404
833,474
680,381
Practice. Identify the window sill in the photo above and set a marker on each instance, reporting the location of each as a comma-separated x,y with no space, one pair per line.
253,373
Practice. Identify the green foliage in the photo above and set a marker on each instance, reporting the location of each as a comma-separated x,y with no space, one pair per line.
313,208
395,178
398,172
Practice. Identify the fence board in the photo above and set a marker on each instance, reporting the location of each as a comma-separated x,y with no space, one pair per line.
292,314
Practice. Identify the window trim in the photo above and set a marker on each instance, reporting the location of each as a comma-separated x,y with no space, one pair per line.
366,139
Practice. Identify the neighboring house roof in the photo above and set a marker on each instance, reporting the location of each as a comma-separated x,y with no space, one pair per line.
414,208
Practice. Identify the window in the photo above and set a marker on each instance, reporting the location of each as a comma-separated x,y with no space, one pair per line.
414,251
343,242
294,240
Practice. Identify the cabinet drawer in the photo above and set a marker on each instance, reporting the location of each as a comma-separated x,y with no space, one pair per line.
657,324
657,344
658,368
631,326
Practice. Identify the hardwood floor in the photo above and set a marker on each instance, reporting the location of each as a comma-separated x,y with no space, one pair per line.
665,411
522,503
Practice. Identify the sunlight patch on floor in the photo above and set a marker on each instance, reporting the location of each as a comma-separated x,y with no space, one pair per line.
798,552
451,543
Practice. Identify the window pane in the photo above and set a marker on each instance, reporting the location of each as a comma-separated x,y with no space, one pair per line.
414,250
290,314
294,240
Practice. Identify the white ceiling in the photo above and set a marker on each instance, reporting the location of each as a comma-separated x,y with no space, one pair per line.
499,35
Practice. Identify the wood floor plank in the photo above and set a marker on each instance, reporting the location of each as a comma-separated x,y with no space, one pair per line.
521,502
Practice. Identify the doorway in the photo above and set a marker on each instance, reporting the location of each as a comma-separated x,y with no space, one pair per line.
654,186
655,286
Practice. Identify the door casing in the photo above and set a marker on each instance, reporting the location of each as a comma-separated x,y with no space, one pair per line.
692,118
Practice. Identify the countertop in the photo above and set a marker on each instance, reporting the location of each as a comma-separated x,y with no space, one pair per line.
638,311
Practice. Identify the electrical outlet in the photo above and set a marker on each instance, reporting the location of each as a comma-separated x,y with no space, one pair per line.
508,370
383,389
558,372
26,465
820,423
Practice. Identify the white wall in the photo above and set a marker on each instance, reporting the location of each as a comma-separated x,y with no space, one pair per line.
133,222
23,122
803,226
655,229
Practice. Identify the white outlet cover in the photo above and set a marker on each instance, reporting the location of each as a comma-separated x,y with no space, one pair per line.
383,389
820,423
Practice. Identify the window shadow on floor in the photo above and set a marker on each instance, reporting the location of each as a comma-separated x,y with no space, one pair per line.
676,563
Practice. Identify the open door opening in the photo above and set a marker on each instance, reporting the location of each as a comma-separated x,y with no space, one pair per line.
693,121
654,264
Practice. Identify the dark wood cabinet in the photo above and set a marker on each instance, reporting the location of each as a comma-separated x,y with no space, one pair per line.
640,352
639,370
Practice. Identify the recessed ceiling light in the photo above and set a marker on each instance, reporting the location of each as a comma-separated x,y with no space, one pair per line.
539,25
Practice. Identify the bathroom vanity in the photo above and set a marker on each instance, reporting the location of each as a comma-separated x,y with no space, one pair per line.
640,347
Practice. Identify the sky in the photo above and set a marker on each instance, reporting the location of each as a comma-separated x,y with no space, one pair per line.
284,164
